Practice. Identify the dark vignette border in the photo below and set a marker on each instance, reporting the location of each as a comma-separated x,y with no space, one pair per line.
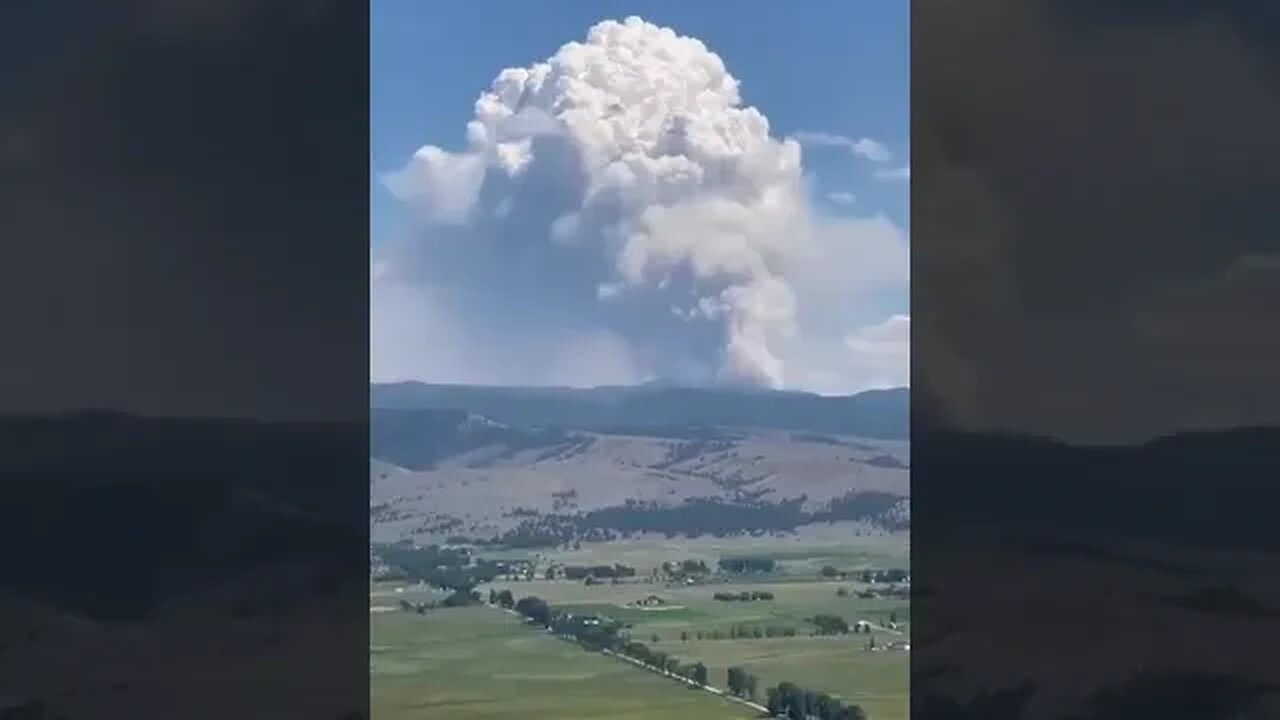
1095,277
183,410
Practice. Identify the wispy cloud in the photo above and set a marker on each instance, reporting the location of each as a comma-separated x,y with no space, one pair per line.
882,352
897,173
840,197
861,147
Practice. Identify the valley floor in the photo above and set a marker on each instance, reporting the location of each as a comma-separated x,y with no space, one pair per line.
480,662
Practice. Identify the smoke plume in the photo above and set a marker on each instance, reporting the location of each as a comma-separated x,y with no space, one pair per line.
619,206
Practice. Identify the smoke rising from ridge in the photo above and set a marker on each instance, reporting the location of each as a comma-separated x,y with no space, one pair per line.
618,214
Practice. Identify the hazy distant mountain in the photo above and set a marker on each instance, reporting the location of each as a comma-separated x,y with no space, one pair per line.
418,439
879,414
478,461
436,474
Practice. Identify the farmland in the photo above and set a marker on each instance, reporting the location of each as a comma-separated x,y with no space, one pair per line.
624,553
481,663
468,659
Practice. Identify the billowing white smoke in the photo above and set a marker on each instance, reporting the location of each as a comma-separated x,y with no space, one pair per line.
627,160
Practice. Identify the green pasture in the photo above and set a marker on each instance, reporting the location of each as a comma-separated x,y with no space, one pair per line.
474,663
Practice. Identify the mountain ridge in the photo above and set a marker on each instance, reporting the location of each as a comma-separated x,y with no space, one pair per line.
877,414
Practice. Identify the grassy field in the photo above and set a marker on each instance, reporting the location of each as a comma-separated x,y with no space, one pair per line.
802,553
841,665
470,662
479,663
878,681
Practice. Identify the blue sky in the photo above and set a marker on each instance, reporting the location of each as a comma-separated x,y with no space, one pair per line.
826,73
835,66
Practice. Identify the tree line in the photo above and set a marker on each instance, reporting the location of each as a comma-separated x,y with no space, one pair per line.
595,633
442,567
830,625
744,596
457,598
695,517
873,506
685,568
748,564
741,683
796,703
502,599
580,572
741,632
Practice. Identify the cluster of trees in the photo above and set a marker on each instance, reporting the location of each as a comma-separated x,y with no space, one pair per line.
696,517
830,625
787,699
737,632
796,703
744,596
685,568
563,499
589,631
442,567
692,518
580,572
502,599
545,531
458,598
536,609
742,683
681,452
748,565
435,524
697,672
551,531
595,633
875,507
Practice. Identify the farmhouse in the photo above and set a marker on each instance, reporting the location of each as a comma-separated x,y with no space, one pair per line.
651,601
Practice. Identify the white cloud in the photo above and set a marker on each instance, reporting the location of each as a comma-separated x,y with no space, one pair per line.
805,137
866,148
872,150
841,197
881,353
897,173
620,201
444,186
872,356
